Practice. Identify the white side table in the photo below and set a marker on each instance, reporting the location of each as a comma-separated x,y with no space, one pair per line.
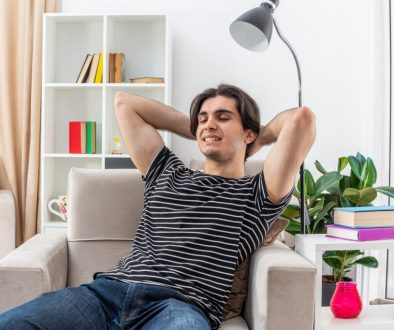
373,317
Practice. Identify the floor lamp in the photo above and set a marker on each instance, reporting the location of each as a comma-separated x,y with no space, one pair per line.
253,31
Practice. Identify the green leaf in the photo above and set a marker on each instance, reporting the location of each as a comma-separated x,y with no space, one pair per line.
354,253
354,181
325,210
355,165
309,183
317,225
352,194
368,173
371,180
360,197
342,163
344,183
291,212
294,227
360,158
296,194
319,167
388,191
367,195
316,208
332,260
325,181
370,262
334,188
344,202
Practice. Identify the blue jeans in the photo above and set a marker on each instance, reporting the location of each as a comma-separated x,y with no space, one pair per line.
107,304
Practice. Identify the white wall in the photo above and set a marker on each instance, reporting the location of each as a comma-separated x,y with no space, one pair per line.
339,45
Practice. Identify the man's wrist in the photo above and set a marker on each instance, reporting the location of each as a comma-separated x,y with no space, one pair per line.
266,136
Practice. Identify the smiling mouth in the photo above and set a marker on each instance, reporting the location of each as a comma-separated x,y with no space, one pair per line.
211,139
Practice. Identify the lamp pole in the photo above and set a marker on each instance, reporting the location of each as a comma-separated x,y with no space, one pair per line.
303,214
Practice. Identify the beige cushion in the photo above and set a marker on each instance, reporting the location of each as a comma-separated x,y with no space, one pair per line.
117,220
239,289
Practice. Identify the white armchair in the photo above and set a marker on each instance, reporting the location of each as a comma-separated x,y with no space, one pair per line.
104,211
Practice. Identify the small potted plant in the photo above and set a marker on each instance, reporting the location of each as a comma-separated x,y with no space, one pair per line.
342,263
336,189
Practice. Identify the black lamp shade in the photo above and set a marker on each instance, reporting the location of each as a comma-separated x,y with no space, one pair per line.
253,29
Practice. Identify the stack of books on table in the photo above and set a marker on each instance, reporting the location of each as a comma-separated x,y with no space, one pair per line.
365,223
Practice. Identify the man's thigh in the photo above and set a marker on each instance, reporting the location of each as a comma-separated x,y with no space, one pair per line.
176,314
70,308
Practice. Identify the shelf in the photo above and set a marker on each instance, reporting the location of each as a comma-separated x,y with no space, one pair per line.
72,85
135,85
59,155
379,317
116,156
56,224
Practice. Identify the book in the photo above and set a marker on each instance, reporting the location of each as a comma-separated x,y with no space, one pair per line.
99,74
93,69
83,74
364,216
77,137
90,137
360,234
119,67
111,66
147,80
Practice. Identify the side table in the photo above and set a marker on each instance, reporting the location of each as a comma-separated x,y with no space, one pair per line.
312,247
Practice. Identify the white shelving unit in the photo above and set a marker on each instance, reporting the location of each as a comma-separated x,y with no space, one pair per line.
372,317
146,43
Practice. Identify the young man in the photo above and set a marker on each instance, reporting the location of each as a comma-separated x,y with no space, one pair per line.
196,227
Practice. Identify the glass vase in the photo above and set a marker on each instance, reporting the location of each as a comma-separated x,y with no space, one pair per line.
346,302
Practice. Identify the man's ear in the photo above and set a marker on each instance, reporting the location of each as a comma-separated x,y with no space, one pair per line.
250,136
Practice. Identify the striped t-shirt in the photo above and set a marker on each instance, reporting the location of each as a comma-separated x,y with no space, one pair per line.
195,230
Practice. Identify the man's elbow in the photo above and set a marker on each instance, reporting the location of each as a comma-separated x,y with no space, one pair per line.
306,120
122,101
305,116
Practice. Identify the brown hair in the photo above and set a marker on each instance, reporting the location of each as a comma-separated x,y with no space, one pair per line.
246,106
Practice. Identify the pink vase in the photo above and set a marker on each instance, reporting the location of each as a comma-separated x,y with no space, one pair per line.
346,302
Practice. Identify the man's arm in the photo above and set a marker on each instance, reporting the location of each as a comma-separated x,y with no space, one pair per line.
294,132
139,118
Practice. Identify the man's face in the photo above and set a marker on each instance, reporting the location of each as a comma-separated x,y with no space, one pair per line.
220,134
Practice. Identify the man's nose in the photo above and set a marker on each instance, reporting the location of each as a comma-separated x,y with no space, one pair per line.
210,124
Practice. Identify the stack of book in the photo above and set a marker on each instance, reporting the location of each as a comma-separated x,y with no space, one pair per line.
116,67
365,223
92,69
82,137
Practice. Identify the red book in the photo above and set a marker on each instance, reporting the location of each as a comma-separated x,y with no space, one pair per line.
77,137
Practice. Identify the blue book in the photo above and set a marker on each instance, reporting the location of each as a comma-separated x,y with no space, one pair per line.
364,216
366,208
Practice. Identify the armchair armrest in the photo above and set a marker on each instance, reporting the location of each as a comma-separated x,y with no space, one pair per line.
37,266
281,290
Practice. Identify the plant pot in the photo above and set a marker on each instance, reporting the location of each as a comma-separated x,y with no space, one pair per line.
328,288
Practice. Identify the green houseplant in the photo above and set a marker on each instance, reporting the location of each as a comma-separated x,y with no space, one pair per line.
336,189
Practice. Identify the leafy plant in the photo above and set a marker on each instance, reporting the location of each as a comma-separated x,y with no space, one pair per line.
342,262
335,189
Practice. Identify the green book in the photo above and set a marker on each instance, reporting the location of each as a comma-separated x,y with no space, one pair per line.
90,137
